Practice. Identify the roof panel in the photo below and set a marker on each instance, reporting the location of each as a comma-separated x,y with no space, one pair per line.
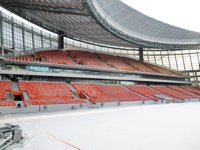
103,21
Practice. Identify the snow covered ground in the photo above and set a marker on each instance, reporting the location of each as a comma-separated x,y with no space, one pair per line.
153,127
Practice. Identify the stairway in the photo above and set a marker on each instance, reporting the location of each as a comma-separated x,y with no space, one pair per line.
9,96
74,92
26,96
15,86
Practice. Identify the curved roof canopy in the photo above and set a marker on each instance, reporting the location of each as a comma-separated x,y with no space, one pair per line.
109,22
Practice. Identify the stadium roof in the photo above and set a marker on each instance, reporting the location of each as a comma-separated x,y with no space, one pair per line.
109,22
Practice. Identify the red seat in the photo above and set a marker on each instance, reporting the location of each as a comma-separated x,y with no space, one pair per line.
5,86
108,93
41,93
173,92
94,60
147,91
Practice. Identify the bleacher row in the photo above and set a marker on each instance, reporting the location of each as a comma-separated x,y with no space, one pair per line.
93,60
5,86
46,93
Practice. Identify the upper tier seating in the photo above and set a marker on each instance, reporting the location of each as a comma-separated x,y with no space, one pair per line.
56,57
53,57
5,86
41,93
138,66
160,69
94,60
173,92
108,92
115,62
148,92
28,58
89,59
192,89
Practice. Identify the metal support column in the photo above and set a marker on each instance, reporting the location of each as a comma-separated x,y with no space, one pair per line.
1,27
141,56
42,39
3,52
61,40
33,39
13,35
23,37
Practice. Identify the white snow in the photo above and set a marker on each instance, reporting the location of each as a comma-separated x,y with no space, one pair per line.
153,127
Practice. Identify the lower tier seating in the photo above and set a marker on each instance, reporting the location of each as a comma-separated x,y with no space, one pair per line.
191,89
173,92
177,88
108,92
148,92
41,93
45,93
6,103
5,86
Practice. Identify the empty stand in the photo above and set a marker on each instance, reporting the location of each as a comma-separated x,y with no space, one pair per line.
28,58
5,86
177,88
192,89
138,66
159,69
108,93
53,57
41,93
147,92
93,60
173,92
56,57
89,59
115,62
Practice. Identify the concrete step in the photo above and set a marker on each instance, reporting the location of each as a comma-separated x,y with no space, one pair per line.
15,86
9,96
74,92
26,96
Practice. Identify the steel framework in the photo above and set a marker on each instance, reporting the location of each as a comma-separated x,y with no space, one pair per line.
107,22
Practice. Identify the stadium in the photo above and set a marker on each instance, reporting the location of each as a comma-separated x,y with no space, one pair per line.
93,75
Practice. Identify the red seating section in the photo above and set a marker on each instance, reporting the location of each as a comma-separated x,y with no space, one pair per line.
115,62
5,86
138,66
173,92
191,89
147,91
56,57
108,93
28,58
159,69
192,95
94,60
41,93
89,59
45,93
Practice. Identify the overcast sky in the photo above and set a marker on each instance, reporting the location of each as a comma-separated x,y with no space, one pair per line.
181,13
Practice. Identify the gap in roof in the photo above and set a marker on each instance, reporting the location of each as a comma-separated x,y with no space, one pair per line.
184,14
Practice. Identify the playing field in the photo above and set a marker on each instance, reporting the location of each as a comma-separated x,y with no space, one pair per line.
155,127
